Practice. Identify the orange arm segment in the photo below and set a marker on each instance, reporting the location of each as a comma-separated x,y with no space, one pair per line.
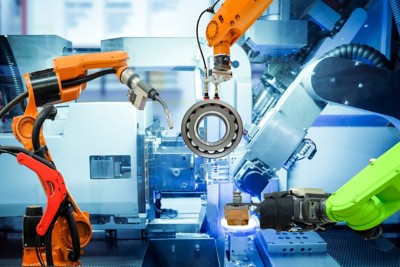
231,21
46,86
71,67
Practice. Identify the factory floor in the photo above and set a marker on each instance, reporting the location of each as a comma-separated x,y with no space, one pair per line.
97,253
344,246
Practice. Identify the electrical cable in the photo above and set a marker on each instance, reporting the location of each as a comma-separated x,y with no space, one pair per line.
198,41
210,10
13,103
38,253
88,78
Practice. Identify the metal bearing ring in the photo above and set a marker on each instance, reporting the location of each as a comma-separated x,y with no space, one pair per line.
223,111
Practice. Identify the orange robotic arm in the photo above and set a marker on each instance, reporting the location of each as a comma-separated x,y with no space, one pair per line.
68,79
226,27
64,82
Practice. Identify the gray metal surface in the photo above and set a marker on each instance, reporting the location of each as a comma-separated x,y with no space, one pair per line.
272,36
182,252
171,168
293,255
78,132
350,250
283,128
291,242
351,27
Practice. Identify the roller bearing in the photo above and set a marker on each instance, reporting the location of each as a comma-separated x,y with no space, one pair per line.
207,149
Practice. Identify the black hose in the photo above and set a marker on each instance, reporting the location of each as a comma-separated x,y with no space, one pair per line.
48,246
16,149
75,254
13,103
10,77
48,111
360,52
79,81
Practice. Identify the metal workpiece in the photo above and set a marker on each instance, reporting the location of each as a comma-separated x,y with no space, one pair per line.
237,214
211,108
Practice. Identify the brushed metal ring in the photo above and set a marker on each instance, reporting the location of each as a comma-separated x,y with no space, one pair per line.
209,149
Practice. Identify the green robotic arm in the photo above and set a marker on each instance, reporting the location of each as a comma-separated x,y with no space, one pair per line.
364,202
371,196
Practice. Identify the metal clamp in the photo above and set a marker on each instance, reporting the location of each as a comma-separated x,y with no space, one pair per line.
191,122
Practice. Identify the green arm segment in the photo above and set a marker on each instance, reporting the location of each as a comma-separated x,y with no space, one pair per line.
371,196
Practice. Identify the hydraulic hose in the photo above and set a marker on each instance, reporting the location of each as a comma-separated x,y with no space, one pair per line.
16,150
13,103
75,254
49,111
360,52
10,77
48,246
88,78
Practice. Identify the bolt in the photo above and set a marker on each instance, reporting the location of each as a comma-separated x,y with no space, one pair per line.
346,102
360,85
